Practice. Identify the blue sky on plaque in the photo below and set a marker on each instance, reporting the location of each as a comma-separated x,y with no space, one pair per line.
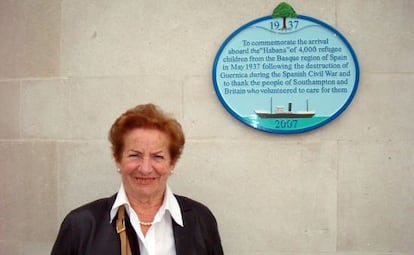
285,73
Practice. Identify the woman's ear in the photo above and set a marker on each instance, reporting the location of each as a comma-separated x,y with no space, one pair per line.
118,167
172,169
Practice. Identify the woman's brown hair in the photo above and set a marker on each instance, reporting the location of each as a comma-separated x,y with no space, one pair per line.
147,116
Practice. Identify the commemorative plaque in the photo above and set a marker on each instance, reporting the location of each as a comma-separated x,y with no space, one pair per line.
285,73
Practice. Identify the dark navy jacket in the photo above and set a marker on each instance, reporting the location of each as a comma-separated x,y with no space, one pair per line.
87,231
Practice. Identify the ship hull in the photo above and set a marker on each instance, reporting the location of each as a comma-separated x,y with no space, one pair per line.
291,115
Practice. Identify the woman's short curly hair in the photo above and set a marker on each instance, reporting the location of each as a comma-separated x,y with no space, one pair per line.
146,116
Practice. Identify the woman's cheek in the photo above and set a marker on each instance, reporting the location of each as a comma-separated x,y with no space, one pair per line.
130,167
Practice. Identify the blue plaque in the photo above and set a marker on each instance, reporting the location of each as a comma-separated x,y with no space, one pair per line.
285,75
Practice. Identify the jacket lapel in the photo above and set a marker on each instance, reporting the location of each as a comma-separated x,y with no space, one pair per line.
183,243
188,239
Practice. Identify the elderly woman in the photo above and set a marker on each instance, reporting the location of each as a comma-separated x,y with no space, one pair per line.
145,216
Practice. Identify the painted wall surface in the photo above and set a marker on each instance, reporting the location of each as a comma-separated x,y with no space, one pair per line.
69,68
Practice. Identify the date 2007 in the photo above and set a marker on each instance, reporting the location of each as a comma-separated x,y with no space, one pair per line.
286,123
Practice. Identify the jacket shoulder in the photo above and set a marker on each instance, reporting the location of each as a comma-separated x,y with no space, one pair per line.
96,208
194,210
190,204
88,216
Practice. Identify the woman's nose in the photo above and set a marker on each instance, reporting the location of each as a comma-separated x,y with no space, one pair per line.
146,167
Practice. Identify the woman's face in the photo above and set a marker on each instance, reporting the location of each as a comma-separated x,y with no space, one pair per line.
145,163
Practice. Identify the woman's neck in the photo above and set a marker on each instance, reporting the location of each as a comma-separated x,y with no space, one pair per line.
146,207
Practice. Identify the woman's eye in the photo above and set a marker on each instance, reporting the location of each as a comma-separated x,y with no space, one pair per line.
159,157
133,155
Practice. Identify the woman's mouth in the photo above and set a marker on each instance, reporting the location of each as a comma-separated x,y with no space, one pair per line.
145,180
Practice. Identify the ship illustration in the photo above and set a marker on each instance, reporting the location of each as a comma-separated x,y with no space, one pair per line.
281,113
